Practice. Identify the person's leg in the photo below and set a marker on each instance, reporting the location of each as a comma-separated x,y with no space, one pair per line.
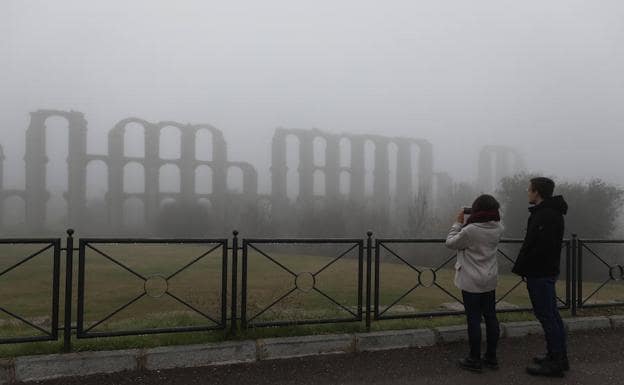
473,319
542,291
492,327
561,327
541,308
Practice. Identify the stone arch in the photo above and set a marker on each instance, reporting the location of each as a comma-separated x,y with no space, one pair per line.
170,141
57,152
169,178
205,204
319,184
96,180
204,144
204,179
319,151
167,200
235,179
345,152
133,178
415,159
134,139
345,183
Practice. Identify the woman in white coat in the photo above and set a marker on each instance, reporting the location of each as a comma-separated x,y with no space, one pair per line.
476,274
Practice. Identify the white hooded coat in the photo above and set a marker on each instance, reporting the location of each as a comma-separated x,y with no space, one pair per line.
476,269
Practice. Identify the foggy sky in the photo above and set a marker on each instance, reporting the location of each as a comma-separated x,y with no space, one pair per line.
543,76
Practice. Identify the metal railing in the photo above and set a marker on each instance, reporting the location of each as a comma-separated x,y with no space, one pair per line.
151,285
51,334
302,281
364,254
428,277
612,271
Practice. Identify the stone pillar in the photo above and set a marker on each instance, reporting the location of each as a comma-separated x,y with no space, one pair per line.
332,167
279,168
219,176
381,174
404,174
116,164
187,165
425,170
77,169
306,167
250,181
358,170
152,172
36,160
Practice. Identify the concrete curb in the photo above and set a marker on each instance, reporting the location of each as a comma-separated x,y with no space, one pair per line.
200,355
617,321
291,347
394,339
587,323
38,368
522,329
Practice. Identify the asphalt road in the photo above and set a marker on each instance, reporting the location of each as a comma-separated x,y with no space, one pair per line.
596,357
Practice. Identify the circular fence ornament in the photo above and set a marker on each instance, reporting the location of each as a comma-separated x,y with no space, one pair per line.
305,282
427,278
616,273
156,286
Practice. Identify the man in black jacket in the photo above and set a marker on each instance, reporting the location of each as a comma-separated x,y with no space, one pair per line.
538,262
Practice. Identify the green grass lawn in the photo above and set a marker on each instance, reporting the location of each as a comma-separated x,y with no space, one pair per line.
26,291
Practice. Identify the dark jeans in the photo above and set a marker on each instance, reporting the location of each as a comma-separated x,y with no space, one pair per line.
479,305
544,299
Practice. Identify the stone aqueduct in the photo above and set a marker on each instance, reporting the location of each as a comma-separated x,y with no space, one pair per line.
35,194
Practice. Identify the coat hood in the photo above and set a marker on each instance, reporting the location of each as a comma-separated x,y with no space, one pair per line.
556,203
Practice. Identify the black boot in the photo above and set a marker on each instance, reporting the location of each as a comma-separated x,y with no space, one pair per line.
550,367
471,364
490,362
565,364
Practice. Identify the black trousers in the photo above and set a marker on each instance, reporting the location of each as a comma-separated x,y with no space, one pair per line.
481,305
544,299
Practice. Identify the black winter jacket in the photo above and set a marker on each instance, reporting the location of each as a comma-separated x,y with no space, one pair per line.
540,254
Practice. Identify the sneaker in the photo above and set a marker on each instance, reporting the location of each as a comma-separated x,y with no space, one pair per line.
471,364
565,364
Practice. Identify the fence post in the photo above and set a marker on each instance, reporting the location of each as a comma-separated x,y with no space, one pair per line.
69,267
369,250
233,322
574,273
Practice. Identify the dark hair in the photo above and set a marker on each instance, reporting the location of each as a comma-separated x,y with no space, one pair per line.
544,187
485,202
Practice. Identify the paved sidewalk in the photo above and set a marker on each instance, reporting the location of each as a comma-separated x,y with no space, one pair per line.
596,358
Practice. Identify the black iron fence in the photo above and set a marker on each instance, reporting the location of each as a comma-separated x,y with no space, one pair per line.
428,276
46,328
304,279
606,276
349,283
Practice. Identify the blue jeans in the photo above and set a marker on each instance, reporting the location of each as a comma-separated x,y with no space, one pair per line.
544,299
479,305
